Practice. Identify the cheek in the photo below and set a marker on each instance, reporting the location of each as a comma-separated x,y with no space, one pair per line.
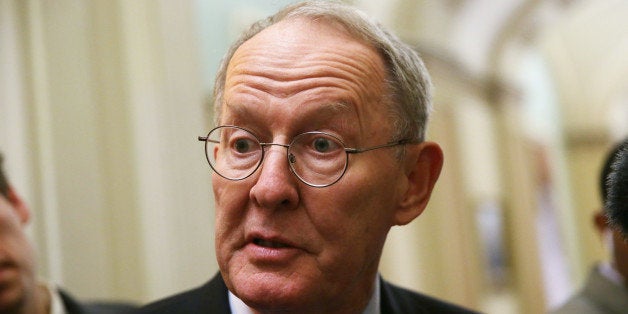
15,246
366,197
230,197
230,205
360,212
351,217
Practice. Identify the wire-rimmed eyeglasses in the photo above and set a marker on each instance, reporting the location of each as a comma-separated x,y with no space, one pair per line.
318,159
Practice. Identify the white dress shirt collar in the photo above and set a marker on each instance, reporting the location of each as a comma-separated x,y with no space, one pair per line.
56,303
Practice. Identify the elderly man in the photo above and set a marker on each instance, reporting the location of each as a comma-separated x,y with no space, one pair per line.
319,151
20,291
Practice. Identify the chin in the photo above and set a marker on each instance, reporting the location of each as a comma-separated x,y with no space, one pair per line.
265,291
10,301
273,300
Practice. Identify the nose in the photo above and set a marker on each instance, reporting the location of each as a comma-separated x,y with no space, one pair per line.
275,186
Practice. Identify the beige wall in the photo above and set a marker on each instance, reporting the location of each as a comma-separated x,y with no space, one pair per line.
101,103
110,100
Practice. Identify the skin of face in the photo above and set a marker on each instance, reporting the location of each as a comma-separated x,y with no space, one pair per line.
17,278
282,245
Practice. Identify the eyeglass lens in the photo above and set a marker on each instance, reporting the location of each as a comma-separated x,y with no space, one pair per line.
316,158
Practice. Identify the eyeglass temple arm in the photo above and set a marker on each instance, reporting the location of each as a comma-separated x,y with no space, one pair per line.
206,139
361,150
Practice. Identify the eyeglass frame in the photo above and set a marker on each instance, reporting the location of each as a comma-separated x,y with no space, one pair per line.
348,150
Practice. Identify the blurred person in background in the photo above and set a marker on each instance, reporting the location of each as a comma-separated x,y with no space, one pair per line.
617,201
605,290
21,291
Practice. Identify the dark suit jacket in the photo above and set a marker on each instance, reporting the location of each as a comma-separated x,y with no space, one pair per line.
212,298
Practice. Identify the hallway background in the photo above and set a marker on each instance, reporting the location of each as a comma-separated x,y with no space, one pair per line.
101,102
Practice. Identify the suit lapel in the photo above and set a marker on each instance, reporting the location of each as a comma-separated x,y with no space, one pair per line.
213,297
394,300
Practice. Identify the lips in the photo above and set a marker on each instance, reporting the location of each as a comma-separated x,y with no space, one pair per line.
8,272
264,247
6,263
269,243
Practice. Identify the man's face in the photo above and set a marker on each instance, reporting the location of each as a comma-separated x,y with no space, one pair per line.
17,279
279,242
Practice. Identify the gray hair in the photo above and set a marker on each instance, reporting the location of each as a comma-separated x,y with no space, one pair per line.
408,81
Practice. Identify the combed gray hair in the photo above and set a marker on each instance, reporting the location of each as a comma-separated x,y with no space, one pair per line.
407,78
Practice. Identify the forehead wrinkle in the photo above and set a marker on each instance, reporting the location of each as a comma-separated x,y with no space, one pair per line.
236,110
284,60
239,112
242,112
288,74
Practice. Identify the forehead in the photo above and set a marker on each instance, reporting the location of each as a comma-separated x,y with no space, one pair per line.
309,60
304,32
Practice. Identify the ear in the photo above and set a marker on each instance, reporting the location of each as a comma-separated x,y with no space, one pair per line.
600,221
423,163
20,206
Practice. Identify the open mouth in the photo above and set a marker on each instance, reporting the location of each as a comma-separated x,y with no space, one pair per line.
269,244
